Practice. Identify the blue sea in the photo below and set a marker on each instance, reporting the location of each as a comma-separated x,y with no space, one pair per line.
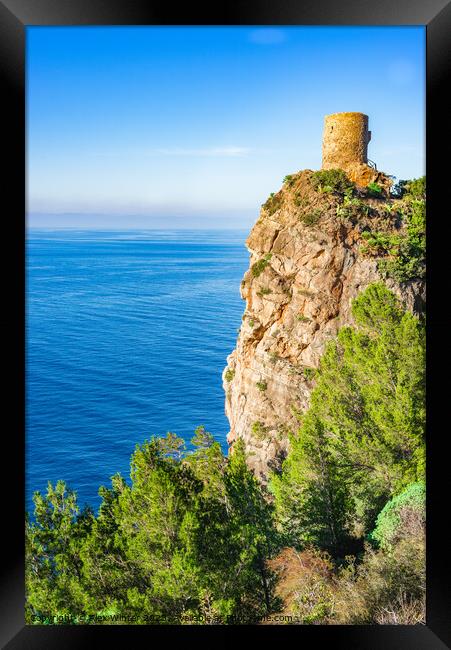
127,333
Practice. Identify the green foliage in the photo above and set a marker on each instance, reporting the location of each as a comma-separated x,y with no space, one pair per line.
290,179
404,253
273,203
189,537
303,319
408,260
383,586
332,180
229,374
258,268
394,518
312,501
352,207
259,430
300,201
264,291
345,211
309,373
379,243
362,439
388,586
53,543
311,218
314,600
374,189
416,188
253,516
193,533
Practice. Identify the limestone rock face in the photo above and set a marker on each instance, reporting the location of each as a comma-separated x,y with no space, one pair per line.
306,266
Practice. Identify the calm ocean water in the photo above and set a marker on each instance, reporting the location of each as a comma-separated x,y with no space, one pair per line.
127,336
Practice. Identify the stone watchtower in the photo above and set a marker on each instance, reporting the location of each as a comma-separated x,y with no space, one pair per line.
345,140
345,146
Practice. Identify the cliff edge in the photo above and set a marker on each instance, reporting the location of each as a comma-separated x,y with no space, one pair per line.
318,242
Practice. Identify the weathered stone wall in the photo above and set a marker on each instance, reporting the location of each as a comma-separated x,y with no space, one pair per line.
345,140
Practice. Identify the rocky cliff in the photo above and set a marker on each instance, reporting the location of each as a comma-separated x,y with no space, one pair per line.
309,259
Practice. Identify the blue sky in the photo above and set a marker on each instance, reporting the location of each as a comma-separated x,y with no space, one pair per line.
195,126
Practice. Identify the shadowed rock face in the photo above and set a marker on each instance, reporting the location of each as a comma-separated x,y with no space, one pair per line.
305,268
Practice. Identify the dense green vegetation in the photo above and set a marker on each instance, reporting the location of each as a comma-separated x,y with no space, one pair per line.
404,253
189,538
355,471
415,187
361,441
194,536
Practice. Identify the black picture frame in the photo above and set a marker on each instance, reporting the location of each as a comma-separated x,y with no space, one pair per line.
15,16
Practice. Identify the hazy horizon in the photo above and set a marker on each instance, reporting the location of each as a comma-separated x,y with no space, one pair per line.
74,221
132,228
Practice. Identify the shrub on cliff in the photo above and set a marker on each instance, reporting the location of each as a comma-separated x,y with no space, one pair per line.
409,259
331,180
400,515
404,253
310,218
374,190
258,267
415,187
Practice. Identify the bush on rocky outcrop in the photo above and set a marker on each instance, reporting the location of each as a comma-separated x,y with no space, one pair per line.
258,268
331,180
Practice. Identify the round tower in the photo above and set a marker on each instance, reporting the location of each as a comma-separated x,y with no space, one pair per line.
345,140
